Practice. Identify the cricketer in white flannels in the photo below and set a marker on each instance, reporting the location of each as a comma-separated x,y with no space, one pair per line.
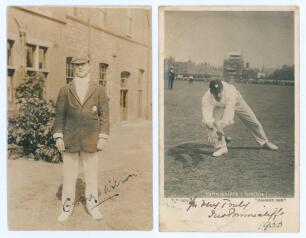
219,105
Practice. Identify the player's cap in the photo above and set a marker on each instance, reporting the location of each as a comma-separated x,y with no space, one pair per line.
80,60
215,86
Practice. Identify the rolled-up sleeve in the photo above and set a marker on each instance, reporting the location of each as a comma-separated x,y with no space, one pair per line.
207,109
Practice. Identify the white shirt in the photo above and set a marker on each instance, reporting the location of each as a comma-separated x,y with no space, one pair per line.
81,86
228,102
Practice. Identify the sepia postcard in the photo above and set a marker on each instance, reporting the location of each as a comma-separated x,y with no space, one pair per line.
79,118
229,118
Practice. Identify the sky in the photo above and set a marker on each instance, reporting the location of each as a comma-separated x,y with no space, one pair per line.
263,38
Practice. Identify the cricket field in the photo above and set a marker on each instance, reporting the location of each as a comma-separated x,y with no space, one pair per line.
247,170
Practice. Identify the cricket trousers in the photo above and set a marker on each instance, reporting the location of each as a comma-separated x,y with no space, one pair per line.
248,118
71,162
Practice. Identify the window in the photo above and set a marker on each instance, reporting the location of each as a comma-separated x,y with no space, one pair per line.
124,79
124,95
42,57
36,58
10,72
69,69
129,22
102,74
31,55
9,52
140,96
140,78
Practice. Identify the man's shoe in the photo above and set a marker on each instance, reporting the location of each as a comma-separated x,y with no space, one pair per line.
220,152
268,145
93,208
64,216
95,213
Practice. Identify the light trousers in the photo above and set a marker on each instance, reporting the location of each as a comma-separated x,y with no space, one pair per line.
248,118
71,162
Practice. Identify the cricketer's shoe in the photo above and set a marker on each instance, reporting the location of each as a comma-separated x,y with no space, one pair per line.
64,216
93,209
95,213
270,146
220,152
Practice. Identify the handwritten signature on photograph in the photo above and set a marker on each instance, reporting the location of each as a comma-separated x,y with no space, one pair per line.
269,217
111,186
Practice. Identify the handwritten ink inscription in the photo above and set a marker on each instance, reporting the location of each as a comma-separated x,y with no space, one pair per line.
269,217
115,183
111,186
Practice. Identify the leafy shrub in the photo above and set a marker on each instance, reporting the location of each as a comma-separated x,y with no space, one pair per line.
31,127
48,153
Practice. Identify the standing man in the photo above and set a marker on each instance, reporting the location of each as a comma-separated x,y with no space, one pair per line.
171,75
219,105
81,129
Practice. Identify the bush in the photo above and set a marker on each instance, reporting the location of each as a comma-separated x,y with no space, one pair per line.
31,127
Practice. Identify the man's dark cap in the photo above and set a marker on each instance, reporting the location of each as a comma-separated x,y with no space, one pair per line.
215,86
80,60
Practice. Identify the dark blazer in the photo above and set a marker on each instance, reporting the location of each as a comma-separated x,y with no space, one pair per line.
81,124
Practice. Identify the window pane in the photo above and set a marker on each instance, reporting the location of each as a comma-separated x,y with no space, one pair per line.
9,52
140,78
30,55
42,57
69,68
124,79
103,73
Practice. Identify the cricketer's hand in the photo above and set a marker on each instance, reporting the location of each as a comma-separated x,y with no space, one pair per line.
101,144
60,145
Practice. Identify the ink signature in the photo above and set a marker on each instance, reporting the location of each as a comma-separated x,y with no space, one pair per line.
68,205
115,183
226,208
111,186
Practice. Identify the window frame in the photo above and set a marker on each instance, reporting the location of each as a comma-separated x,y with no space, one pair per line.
124,79
140,79
45,63
69,69
10,54
30,49
103,73
10,72
36,46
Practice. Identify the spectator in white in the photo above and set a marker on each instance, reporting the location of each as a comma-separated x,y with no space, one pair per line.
219,105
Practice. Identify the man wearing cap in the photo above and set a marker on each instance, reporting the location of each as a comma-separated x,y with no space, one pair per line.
81,129
171,75
219,105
